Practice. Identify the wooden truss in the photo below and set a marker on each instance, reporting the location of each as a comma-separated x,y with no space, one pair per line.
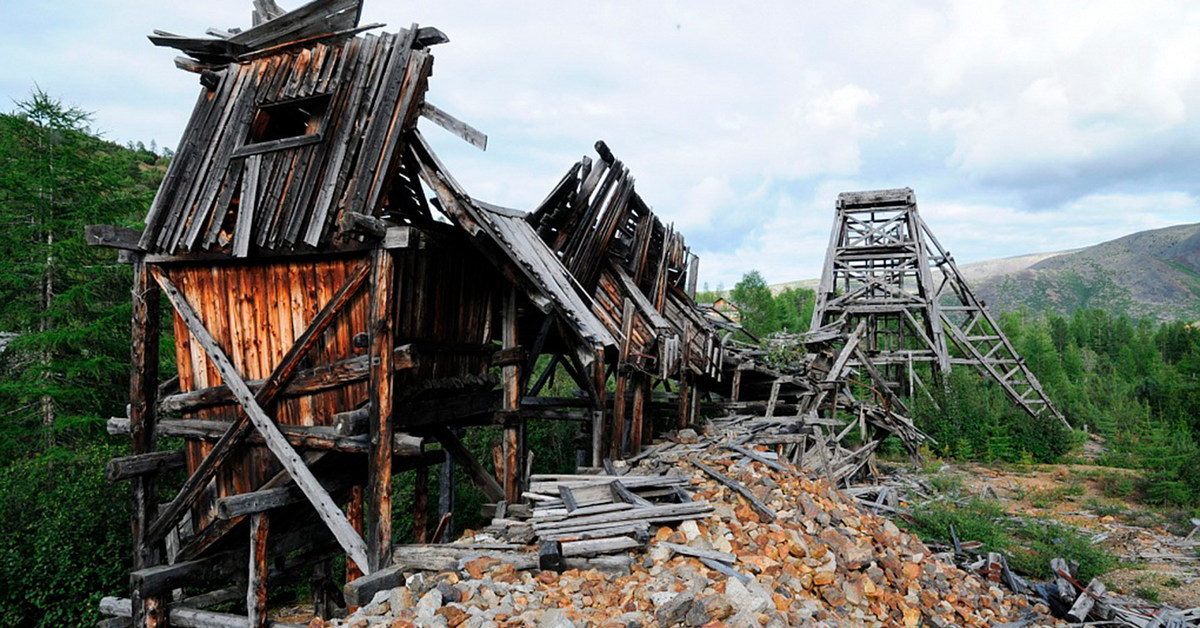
884,267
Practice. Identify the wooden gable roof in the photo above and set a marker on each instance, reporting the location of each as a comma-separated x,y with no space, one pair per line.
282,141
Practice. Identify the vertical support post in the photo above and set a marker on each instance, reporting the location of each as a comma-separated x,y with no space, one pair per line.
600,378
320,585
421,505
143,424
379,504
641,390
511,405
354,512
685,376
618,441
446,498
256,589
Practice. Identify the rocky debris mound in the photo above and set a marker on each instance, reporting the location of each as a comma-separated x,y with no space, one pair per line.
778,549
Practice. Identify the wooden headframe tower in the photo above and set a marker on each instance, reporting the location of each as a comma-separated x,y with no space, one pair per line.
884,267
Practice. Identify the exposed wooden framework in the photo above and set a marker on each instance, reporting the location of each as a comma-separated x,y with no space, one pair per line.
884,267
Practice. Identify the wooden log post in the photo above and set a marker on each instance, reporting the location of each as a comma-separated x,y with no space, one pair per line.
256,588
618,440
143,401
381,428
421,505
321,586
446,489
639,425
354,512
511,405
600,380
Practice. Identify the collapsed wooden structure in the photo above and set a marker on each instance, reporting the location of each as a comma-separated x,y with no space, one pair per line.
340,305
885,268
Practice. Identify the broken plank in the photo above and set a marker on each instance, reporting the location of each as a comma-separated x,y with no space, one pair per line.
762,509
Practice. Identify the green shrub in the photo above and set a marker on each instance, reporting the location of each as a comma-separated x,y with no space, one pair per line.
66,537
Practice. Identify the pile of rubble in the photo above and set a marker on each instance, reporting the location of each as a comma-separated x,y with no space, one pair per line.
762,545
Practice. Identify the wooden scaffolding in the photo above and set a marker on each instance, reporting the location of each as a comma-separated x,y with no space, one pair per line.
885,268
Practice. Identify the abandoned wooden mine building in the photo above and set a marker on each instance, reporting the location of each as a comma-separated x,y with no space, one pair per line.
340,302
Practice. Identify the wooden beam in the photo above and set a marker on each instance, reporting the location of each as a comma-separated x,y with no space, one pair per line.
276,443
462,456
274,384
318,437
148,611
466,132
304,382
128,467
112,237
379,417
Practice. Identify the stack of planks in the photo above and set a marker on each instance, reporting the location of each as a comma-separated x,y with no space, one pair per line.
585,516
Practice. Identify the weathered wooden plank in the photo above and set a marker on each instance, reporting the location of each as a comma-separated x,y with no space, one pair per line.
112,237
762,509
686,550
466,132
275,441
592,547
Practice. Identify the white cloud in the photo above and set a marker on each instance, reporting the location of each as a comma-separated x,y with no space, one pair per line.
741,123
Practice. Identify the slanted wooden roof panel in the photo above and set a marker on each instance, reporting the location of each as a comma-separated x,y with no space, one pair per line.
526,249
238,185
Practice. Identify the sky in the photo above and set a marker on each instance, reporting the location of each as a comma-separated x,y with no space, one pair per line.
1023,127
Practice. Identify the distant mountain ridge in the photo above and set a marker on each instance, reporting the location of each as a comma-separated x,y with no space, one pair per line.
1153,274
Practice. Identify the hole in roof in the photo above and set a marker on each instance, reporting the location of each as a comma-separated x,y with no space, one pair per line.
294,118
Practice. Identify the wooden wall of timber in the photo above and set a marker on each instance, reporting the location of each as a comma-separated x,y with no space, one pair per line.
443,299
255,311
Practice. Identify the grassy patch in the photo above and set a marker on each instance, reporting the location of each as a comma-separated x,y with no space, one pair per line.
1029,544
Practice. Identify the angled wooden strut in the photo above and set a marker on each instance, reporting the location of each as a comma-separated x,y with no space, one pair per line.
254,415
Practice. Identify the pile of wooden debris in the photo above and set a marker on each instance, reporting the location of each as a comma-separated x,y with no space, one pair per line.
696,531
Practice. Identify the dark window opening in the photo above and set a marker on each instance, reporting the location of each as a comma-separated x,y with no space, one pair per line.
294,118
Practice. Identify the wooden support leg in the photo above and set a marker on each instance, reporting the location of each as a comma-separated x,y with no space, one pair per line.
379,502
256,589
511,405
321,586
641,388
446,497
685,399
420,504
143,399
600,379
616,451
354,512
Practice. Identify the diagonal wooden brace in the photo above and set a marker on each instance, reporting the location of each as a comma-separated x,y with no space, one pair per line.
276,442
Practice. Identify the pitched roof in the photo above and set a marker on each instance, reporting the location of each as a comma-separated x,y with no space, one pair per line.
281,143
